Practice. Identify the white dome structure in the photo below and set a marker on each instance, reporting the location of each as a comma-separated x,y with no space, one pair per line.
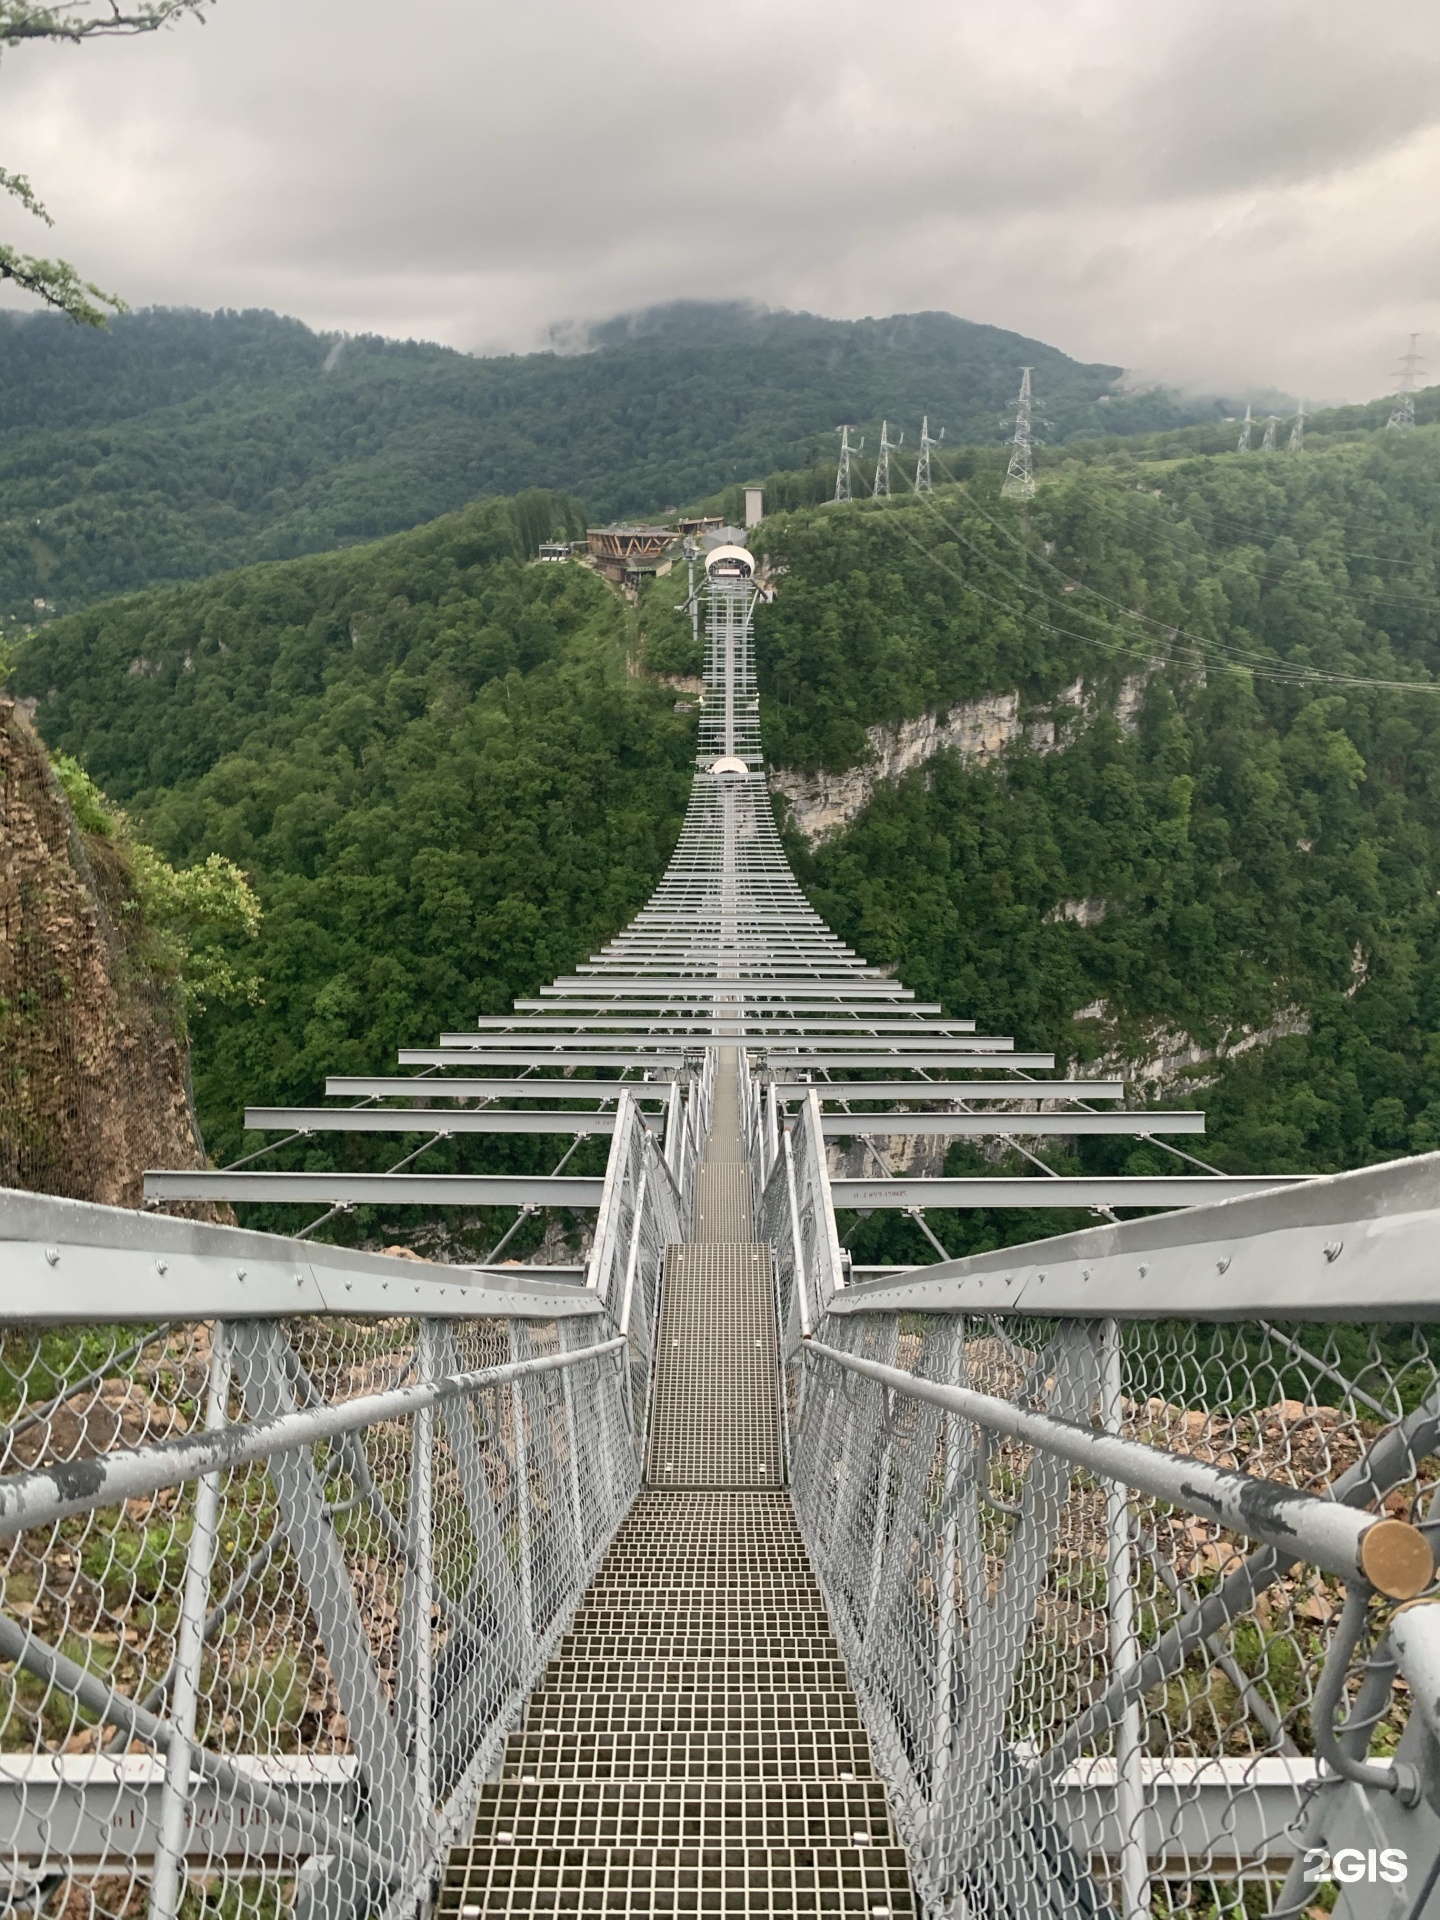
736,562
728,764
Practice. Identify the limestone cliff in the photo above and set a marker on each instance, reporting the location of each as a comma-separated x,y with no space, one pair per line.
978,730
93,1061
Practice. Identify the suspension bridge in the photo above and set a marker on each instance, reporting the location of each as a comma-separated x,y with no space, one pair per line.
717,1574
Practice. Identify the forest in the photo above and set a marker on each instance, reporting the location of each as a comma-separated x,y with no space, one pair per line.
449,774
173,445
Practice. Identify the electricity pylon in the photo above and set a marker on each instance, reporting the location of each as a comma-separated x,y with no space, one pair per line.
1297,432
842,476
1242,445
1019,479
1404,414
882,466
1267,445
922,465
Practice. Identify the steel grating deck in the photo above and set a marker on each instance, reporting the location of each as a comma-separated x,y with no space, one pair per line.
695,1746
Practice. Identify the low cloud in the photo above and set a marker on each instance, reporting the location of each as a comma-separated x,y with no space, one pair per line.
1211,193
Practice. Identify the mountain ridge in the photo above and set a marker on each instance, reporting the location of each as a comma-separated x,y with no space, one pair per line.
175,445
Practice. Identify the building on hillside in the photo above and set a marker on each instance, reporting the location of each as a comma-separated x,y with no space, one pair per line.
629,553
721,536
706,523
754,506
554,550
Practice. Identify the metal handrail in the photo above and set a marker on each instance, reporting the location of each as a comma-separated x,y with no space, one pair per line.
1390,1555
46,1494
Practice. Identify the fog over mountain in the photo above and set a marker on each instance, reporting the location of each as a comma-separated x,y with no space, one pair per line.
1207,192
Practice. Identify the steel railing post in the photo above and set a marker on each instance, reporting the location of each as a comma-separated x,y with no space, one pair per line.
797,1237
572,1447
946,1622
422,1585
1124,1648
169,1882
522,1503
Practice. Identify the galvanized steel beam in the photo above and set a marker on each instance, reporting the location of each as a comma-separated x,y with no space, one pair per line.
1343,1246
385,1189
1024,1190
427,1120
839,1126
65,1262
927,1091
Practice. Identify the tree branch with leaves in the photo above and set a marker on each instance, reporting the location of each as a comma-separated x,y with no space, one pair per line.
56,282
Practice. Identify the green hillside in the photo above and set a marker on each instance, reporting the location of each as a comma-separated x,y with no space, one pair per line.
429,756
176,444
448,783
1254,844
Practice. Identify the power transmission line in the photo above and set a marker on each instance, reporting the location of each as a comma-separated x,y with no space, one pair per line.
847,452
1364,592
888,446
1019,478
1204,652
1410,369
1218,653
1242,445
922,465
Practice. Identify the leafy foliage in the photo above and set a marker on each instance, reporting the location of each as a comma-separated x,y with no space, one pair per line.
179,920
433,762
448,783
1246,855
175,444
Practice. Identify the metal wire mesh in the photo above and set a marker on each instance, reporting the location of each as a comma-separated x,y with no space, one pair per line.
798,1219
346,1629
1087,1699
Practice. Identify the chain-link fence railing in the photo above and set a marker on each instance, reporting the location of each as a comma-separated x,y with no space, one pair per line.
798,1219
1117,1596
275,1590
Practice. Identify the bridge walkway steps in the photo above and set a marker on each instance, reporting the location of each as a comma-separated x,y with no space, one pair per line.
695,1747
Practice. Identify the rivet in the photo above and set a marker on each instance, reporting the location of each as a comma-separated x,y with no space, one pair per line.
1334,1250
1144,1269
52,1254
1222,1263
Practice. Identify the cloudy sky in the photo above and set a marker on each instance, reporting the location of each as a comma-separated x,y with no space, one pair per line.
1215,192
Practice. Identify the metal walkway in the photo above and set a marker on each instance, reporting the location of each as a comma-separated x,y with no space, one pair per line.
699,1576
695,1745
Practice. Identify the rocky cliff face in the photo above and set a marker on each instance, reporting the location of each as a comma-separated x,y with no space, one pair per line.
93,1064
978,730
